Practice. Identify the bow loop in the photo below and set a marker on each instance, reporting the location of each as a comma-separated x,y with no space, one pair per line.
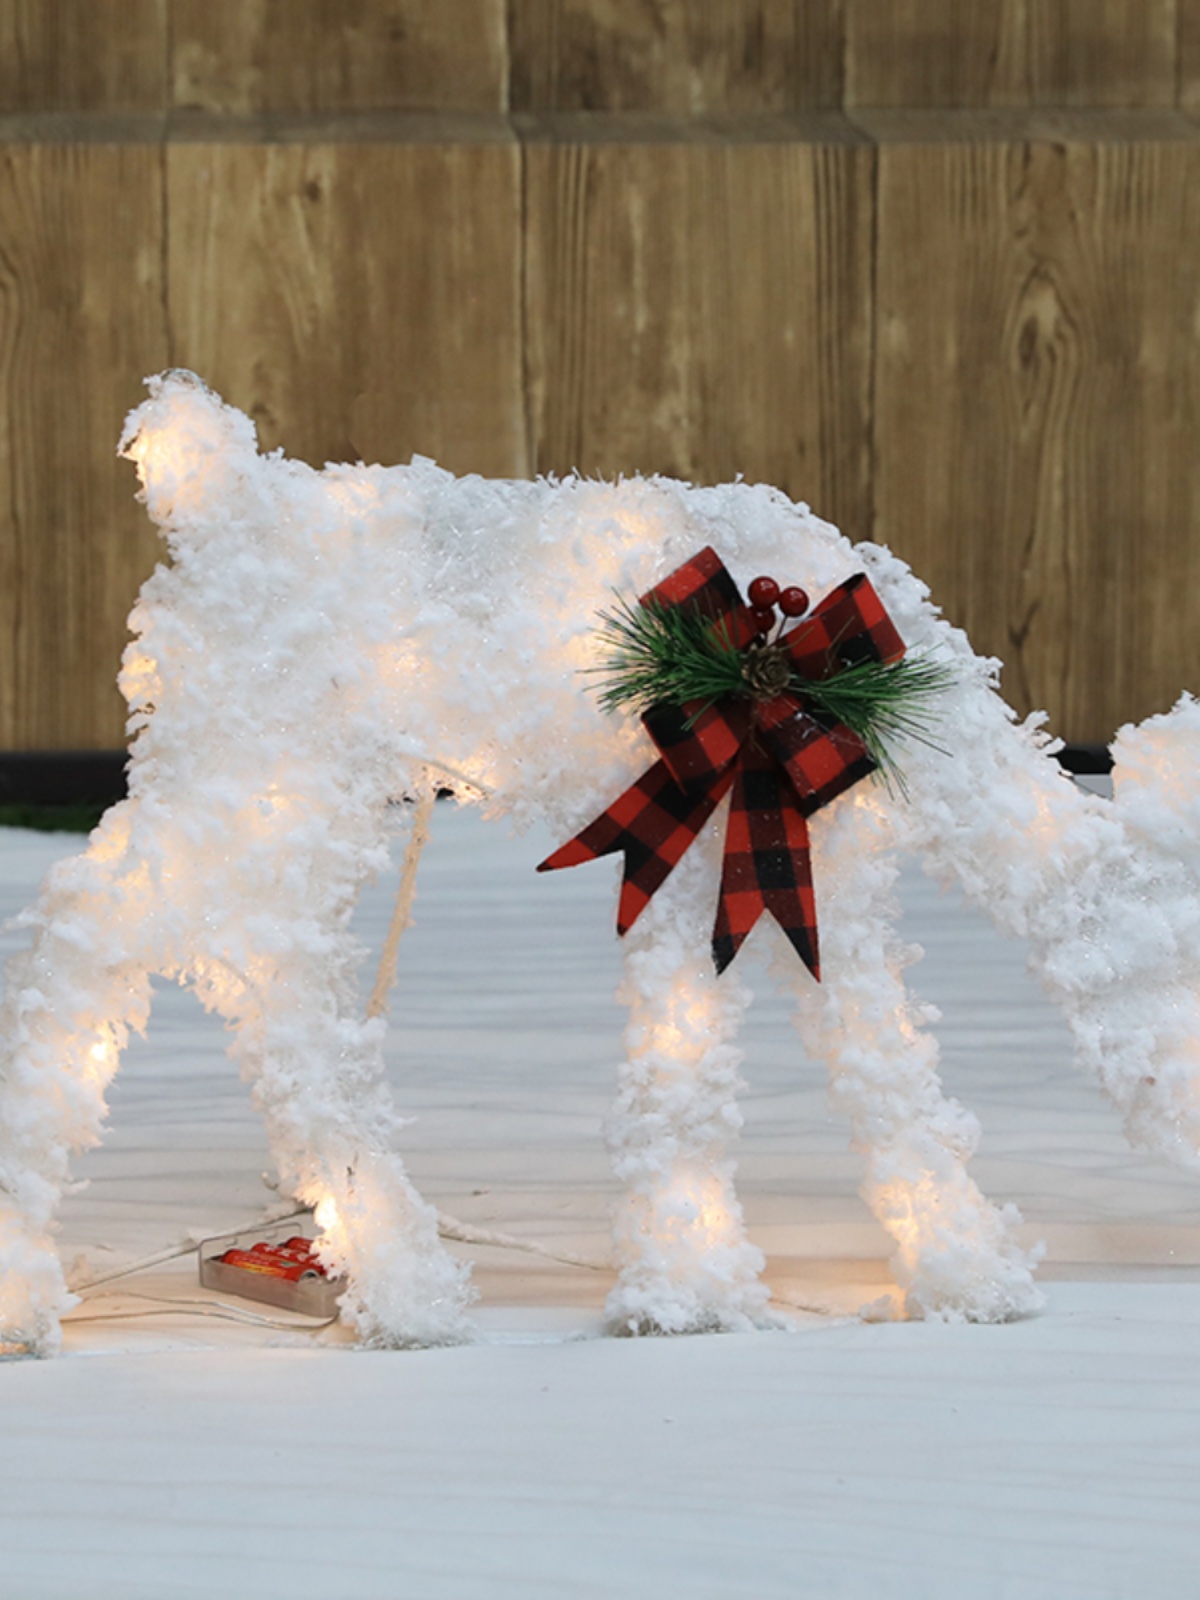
698,742
849,627
703,585
822,758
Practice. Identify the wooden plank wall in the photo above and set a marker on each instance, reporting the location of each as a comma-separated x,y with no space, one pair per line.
928,264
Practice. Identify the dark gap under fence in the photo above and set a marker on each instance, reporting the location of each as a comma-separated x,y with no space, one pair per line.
69,790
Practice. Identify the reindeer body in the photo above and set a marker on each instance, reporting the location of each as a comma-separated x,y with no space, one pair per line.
326,641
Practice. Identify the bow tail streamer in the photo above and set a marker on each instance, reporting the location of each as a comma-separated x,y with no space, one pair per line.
653,822
767,865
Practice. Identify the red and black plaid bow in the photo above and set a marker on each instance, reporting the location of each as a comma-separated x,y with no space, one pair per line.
782,760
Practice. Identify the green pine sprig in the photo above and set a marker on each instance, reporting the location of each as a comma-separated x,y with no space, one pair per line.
674,654
882,701
660,653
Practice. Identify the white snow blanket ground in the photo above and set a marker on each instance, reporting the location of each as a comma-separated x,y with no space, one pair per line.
186,1445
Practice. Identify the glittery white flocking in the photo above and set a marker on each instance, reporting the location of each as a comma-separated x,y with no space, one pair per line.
318,640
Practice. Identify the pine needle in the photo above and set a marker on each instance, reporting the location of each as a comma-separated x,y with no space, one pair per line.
676,655
881,702
663,653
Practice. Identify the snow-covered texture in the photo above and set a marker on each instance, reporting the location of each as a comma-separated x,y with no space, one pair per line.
208,897
1055,1460
956,1256
1107,894
326,640
685,1262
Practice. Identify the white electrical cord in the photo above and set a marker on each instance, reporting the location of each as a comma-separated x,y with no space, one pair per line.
193,1308
448,1227
467,1233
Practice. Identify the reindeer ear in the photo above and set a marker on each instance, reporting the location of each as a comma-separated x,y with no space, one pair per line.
193,453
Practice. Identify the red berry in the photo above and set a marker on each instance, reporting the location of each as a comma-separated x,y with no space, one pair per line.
763,618
793,602
763,592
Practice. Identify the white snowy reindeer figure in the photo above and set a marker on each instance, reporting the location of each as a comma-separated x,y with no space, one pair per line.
325,641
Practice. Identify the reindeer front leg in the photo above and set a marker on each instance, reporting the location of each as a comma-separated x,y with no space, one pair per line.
317,1070
956,1257
67,1008
63,1030
685,1263
277,960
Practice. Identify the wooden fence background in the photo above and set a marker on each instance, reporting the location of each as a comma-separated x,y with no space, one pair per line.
931,265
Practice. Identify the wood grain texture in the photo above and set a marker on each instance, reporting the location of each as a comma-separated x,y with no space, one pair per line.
675,56
701,308
1103,52
1037,399
1011,52
358,301
335,55
81,321
79,55
666,56
1189,54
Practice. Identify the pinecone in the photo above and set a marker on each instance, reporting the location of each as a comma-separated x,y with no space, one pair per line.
766,671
